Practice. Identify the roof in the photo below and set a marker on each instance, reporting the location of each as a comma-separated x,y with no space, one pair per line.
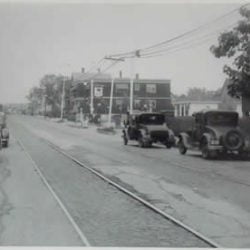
79,76
196,102
206,111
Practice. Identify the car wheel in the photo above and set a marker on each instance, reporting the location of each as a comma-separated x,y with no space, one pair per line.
168,145
205,151
141,142
182,148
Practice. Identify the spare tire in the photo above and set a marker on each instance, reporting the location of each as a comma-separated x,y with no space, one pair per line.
233,140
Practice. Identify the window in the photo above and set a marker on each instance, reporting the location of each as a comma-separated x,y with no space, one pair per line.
151,88
137,87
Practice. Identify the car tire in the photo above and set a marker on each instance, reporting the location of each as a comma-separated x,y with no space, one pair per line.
237,135
141,142
205,152
182,148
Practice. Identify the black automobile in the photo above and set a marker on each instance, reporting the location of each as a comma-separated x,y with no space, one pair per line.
4,132
147,128
215,132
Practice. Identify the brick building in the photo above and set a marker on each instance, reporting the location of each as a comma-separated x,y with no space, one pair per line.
92,92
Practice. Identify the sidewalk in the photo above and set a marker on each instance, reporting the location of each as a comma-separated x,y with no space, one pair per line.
29,215
103,128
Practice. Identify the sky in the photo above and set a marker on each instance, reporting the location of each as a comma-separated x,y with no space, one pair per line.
41,38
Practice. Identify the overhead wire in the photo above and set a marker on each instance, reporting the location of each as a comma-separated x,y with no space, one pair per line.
132,54
203,39
175,44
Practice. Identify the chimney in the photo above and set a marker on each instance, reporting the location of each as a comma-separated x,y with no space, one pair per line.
83,70
120,74
136,76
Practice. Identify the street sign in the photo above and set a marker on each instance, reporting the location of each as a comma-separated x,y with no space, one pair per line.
98,91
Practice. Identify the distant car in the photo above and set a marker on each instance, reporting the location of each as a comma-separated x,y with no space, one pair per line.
148,128
215,132
4,132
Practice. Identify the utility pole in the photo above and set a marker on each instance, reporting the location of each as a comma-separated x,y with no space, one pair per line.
112,87
91,97
111,101
63,99
131,85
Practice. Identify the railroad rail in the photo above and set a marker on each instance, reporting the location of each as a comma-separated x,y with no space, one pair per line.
127,192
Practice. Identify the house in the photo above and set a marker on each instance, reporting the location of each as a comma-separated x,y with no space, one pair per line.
221,101
91,92
188,107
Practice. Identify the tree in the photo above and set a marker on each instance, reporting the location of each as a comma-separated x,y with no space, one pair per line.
235,44
200,94
35,99
50,88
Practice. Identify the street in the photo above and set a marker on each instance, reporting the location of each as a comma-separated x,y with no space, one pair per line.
212,197
103,215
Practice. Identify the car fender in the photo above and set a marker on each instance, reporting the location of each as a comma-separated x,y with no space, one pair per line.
205,137
171,136
185,138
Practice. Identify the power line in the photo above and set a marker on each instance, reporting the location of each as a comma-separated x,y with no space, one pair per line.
138,52
193,41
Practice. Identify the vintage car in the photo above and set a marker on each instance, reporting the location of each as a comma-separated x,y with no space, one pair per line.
215,132
147,128
4,132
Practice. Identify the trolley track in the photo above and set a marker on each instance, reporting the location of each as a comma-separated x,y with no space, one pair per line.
134,196
106,179
77,229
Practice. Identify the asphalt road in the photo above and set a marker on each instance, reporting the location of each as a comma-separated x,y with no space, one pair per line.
106,216
210,196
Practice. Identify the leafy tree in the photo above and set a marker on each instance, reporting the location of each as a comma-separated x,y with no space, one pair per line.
198,94
235,44
50,88
35,99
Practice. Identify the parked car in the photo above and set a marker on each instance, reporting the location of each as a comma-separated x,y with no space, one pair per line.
4,132
148,128
215,132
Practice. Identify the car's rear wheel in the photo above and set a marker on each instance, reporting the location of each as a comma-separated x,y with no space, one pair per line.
233,140
182,148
